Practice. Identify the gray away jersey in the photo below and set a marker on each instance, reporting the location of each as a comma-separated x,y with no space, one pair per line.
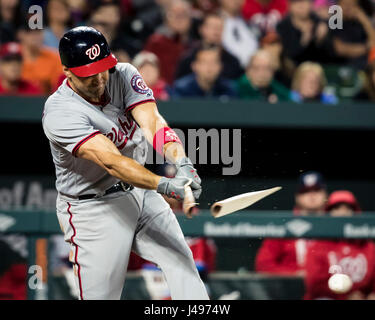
69,121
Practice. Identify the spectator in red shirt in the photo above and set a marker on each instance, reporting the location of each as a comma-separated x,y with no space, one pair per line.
13,272
147,64
355,258
264,14
288,256
171,40
11,81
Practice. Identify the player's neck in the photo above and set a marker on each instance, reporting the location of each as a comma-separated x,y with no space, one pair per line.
95,101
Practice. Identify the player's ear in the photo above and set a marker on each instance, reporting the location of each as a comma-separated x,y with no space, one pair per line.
67,72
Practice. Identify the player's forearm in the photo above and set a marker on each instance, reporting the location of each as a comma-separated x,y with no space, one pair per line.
174,151
130,171
151,122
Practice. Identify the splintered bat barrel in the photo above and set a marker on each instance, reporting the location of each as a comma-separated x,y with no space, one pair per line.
215,209
233,204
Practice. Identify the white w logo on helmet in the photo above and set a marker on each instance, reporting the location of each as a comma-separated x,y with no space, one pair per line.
93,52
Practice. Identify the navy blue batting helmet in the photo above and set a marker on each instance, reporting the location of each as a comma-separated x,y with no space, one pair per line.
85,52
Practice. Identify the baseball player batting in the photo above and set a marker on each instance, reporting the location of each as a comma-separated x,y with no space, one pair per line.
98,123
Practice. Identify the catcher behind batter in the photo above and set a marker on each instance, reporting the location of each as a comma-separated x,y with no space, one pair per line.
98,123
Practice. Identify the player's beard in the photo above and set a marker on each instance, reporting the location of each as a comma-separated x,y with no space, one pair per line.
93,91
91,88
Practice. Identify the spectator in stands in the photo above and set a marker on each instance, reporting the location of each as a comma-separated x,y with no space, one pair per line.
311,194
211,31
143,17
237,38
258,82
11,18
58,22
355,258
106,18
368,91
205,81
321,7
304,36
351,43
264,14
171,40
283,67
41,65
13,272
147,64
11,82
121,55
79,10
288,256
342,203
203,7
309,83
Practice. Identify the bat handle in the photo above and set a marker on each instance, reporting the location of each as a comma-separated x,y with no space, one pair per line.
189,201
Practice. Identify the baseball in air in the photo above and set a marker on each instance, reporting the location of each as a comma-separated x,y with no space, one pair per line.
340,283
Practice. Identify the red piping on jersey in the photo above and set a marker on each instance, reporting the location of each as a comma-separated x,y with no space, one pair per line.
131,135
123,144
138,103
76,147
76,254
127,138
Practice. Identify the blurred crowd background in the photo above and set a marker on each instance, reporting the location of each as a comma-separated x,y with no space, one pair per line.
270,50
257,50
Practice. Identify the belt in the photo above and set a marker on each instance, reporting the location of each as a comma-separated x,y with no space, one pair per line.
120,186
